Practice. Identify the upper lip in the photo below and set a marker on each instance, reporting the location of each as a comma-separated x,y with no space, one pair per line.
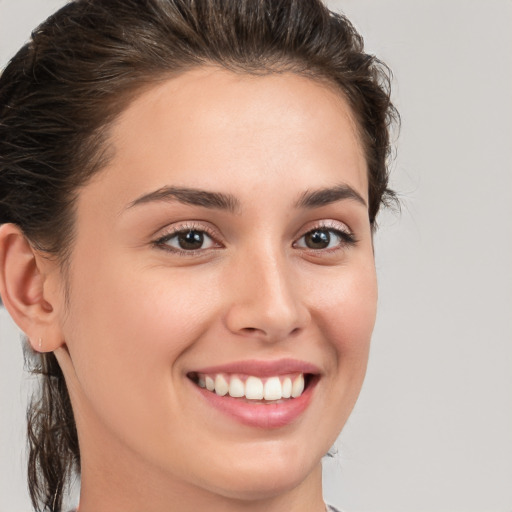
261,368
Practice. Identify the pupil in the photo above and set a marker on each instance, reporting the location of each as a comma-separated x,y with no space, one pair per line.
318,239
191,240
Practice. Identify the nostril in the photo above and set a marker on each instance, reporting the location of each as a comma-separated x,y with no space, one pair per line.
254,331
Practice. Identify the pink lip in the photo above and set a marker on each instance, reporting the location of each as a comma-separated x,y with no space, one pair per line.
256,414
262,368
266,416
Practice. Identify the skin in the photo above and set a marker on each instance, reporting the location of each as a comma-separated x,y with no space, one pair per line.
141,317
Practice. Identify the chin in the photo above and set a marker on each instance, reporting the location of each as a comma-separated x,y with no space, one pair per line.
274,471
261,486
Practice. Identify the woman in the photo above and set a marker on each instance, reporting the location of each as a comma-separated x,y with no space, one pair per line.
188,196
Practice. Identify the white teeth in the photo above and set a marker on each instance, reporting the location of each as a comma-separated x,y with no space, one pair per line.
210,383
272,390
253,388
221,385
298,386
236,387
287,387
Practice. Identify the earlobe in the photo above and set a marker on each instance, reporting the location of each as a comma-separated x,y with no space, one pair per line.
22,289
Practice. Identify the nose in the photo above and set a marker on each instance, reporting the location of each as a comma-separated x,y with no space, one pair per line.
265,300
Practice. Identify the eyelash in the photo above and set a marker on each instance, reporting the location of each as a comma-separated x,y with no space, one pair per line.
346,239
183,229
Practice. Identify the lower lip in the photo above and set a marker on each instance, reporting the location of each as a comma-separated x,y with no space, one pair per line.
260,415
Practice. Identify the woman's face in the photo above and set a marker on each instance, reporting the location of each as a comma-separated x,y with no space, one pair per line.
227,241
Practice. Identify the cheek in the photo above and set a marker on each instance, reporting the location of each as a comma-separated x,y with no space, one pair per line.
122,300
347,307
127,343
349,319
129,327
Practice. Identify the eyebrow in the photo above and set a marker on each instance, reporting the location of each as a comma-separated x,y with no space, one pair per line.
228,202
325,196
192,196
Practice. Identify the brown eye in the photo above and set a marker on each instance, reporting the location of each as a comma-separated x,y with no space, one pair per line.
188,240
318,239
325,238
191,240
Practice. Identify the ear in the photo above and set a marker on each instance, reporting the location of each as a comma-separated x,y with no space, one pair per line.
26,291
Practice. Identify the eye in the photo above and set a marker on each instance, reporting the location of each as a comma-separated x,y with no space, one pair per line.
325,238
187,240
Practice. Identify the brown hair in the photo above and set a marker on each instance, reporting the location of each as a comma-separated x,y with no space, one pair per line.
63,89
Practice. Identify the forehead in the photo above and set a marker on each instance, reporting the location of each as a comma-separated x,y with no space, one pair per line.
209,124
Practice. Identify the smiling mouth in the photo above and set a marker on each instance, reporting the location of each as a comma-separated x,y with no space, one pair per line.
253,389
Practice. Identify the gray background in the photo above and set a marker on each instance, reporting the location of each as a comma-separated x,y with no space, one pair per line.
432,430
